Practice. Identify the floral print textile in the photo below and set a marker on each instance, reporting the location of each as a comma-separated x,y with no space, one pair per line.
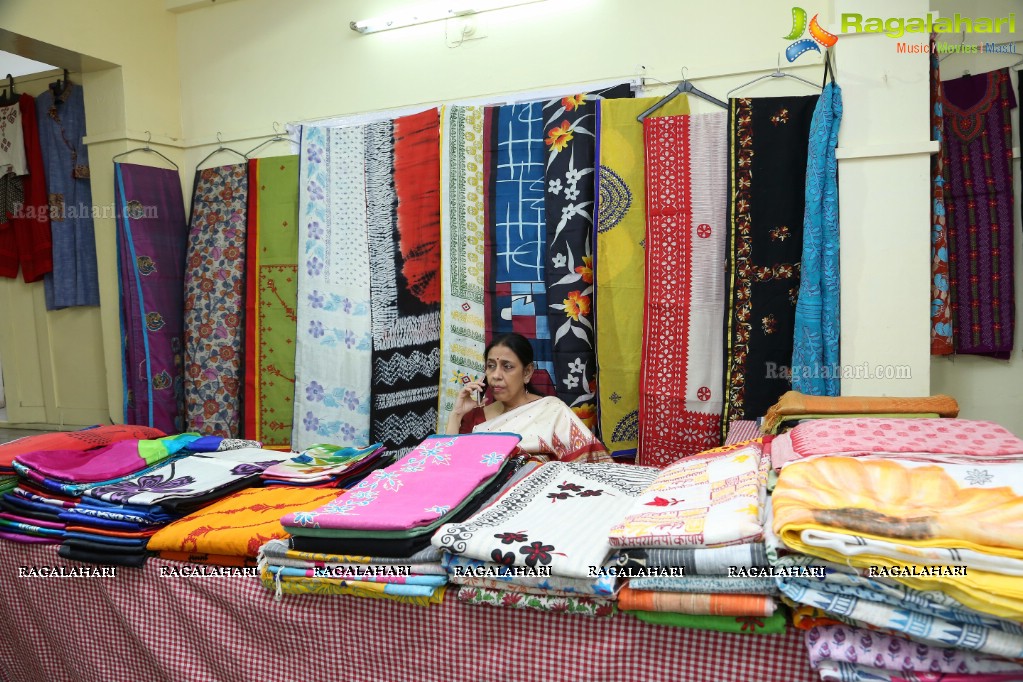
214,300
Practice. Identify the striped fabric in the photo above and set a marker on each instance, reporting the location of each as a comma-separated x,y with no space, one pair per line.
463,331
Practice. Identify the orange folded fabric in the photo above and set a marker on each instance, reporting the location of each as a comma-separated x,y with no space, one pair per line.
240,524
795,403
696,603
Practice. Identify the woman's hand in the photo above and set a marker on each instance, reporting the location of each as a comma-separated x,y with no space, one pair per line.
469,397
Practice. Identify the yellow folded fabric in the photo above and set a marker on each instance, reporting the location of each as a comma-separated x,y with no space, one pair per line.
915,504
795,403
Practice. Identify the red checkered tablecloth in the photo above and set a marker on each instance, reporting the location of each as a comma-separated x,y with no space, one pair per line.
139,625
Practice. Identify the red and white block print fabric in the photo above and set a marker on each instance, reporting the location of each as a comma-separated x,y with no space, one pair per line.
681,385
141,626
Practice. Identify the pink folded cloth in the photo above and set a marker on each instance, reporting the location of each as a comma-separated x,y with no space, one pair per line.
7,516
934,440
29,539
417,490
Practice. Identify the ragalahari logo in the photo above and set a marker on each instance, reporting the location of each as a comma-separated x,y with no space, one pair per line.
818,36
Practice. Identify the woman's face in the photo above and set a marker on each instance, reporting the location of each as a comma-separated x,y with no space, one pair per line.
506,375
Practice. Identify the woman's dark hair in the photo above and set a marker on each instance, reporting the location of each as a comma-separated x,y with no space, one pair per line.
518,344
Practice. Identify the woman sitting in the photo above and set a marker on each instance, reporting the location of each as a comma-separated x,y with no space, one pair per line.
548,427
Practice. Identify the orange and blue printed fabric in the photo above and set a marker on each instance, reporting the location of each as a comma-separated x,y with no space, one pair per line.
620,265
703,502
890,512
239,524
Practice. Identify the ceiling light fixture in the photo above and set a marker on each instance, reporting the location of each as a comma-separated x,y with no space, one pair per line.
413,17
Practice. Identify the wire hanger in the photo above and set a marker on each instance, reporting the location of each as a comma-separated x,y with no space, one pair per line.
147,148
278,137
778,73
9,98
685,87
219,149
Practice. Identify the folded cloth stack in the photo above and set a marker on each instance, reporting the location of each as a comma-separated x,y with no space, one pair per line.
417,579
842,652
918,524
230,532
546,537
110,521
794,407
328,466
74,465
695,539
85,439
392,513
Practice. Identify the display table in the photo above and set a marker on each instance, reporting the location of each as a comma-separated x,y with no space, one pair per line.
139,625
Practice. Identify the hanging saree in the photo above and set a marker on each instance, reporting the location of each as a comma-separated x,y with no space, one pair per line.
333,349
941,312
620,265
516,234
214,300
681,392
767,146
815,345
570,194
271,272
74,280
403,219
151,236
25,238
463,331
979,203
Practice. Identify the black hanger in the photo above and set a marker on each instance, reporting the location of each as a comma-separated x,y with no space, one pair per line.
58,85
219,149
685,87
10,97
147,148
